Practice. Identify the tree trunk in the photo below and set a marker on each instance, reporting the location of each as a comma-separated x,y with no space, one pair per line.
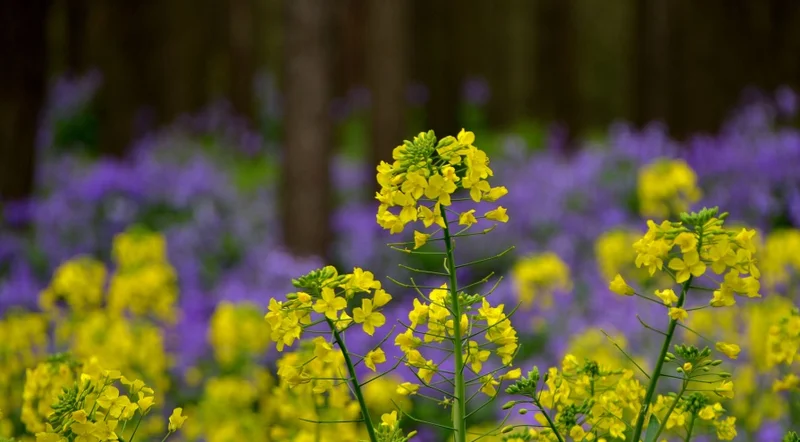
306,196
242,57
131,59
23,51
387,73
436,64
651,61
556,90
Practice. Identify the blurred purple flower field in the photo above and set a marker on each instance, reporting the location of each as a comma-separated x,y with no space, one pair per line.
208,185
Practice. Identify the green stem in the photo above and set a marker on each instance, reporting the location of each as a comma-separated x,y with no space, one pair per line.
166,436
671,409
351,369
651,387
459,391
136,427
691,428
549,421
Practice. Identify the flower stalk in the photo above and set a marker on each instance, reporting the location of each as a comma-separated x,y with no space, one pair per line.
351,370
459,391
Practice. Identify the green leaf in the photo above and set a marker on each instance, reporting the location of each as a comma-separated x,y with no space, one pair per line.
652,429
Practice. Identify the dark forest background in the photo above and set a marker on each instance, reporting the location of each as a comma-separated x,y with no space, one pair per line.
579,63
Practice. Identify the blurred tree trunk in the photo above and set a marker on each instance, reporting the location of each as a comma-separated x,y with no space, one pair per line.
185,63
306,196
651,62
242,57
387,73
23,51
556,89
131,60
435,63
77,55
350,50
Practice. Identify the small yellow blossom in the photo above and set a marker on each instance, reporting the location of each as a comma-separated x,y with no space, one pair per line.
176,420
374,357
498,214
620,287
730,350
420,239
667,296
369,318
467,218
678,314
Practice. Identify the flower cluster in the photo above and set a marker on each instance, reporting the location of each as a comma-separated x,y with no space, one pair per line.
434,322
427,170
689,248
536,277
237,332
783,343
327,293
87,405
144,282
666,187
585,400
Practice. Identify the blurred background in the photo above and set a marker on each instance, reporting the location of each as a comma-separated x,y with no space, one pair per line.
246,133
319,77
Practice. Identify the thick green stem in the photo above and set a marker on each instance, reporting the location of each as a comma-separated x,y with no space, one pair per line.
351,369
651,388
459,392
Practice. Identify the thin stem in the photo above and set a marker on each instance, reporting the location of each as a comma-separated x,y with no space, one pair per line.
141,415
651,387
354,383
671,409
549,421
166,436
691,428
459,391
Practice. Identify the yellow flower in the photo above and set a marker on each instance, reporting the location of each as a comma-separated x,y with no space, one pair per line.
688,266
376,356
725,389
620,287
381,298
723,297
362,280
730,350
323,350
726,430
475,356
707,413
420,239
440,189
145,402
176,420
678,314
369,318
430,217
330,304
488,384
667,296
498,214
407,388
789,382
686,241
577,433
495,193
389,419
467,218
